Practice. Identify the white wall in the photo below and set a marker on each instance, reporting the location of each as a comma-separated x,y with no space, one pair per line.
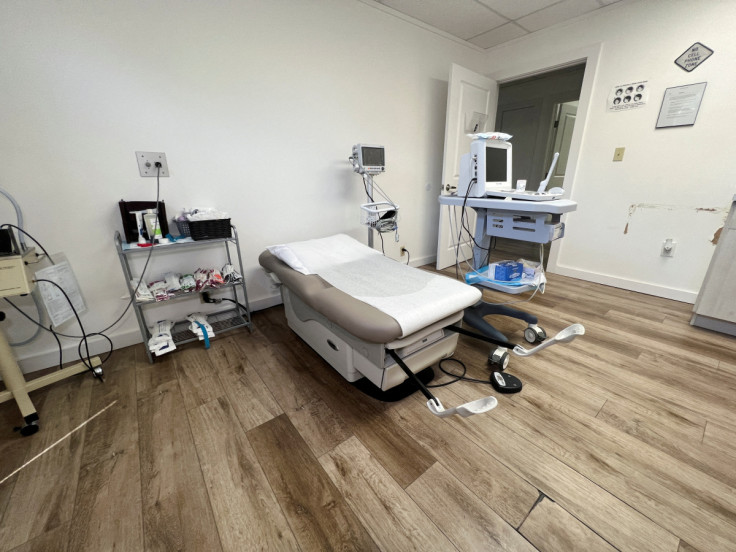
256,105
673,183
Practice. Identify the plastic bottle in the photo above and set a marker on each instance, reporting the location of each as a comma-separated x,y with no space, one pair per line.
152,225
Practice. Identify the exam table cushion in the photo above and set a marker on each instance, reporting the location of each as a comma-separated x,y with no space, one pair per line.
370,295
356,317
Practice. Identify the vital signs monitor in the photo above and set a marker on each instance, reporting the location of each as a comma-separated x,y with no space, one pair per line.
369,159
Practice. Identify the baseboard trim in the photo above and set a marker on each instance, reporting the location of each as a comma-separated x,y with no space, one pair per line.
432,259
97,346
682,295
40,360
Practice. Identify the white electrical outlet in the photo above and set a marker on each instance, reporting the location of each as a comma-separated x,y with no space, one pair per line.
668,248
147,163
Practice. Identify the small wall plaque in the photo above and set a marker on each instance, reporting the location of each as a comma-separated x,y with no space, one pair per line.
694,56
628,96
680,105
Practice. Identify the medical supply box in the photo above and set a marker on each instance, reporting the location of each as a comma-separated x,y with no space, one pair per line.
507,271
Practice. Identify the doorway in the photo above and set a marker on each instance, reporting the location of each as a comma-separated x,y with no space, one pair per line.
539,112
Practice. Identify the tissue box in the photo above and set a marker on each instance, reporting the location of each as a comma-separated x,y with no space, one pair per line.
507,270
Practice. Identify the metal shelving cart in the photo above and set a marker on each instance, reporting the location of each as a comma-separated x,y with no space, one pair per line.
221,321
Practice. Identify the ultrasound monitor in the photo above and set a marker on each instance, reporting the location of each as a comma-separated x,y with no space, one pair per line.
486,168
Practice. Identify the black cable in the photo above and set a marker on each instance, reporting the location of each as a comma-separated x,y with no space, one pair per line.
148,258
460,231
464,226
456,376
88,364
19,229
58,343
241,305
109,352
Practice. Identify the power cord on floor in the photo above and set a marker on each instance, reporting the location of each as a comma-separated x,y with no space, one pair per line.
457,377
88,361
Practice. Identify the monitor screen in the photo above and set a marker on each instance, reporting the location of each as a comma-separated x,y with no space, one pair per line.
373,157
496,165
485,169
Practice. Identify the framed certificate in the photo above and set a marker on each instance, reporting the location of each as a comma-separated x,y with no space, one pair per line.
680,105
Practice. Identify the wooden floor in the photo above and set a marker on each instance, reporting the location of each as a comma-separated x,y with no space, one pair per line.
624,439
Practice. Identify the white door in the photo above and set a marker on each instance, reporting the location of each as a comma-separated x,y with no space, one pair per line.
471,107
563,137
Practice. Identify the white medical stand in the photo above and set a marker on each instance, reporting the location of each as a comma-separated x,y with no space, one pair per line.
380,216
531,221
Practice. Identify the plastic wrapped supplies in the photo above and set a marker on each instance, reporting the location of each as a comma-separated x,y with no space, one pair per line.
510,273
200,327
173,284
161,341
207,213
230,275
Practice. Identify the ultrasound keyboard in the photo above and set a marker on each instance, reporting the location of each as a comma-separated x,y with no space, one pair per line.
526,195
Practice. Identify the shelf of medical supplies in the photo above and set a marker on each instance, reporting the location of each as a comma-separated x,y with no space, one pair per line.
182,294
221,321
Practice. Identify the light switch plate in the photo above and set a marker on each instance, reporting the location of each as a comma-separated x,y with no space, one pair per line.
618,154
147,163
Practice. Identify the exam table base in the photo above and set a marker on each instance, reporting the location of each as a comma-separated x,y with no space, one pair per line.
355,358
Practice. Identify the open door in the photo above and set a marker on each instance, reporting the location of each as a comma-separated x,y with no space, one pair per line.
471,107
561,139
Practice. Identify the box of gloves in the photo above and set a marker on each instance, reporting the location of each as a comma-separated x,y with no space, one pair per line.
506,271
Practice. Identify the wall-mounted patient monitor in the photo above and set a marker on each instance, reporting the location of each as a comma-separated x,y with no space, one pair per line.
486,168
369,159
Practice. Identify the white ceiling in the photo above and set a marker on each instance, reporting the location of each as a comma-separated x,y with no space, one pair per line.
487,23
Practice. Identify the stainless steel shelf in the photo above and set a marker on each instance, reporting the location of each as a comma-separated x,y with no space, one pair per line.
221,321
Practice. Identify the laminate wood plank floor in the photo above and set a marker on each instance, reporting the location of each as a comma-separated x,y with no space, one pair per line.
624,439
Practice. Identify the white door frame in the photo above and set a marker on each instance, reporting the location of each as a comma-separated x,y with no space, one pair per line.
591,56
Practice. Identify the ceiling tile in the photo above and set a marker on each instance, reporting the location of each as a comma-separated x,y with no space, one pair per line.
563,11
499,35
515,10
462,18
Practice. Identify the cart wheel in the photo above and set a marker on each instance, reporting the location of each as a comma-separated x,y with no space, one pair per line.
29,429
534,334
499,358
